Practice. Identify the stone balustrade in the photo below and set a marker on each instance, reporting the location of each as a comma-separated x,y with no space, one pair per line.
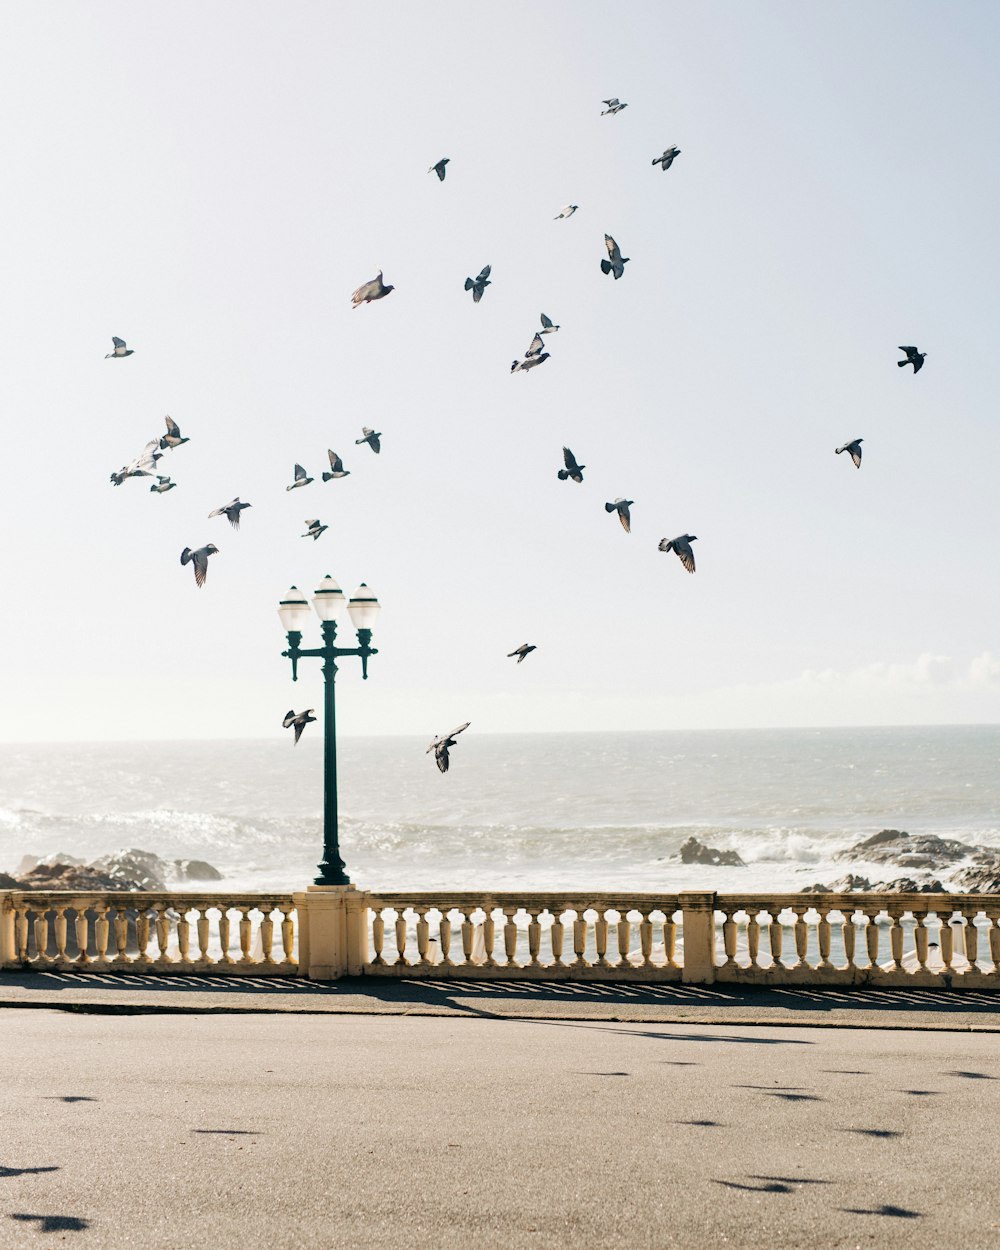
251,934
944,940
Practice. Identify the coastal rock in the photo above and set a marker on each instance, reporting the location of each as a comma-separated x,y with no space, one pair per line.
695,852
8,882
893,846
981,879
907,885
843,885
85,879
145,867
195,870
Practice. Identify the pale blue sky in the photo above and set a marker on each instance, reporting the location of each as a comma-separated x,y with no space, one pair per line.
212,181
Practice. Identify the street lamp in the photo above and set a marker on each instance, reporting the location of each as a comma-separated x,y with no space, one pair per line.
363,610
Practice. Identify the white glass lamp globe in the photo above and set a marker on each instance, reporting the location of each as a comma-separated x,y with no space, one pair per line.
294,611
364,608
329,600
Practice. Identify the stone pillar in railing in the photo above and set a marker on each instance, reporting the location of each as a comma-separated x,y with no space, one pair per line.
333,932
698,910
8,938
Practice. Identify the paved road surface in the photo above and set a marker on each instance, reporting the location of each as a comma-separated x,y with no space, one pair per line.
278,1131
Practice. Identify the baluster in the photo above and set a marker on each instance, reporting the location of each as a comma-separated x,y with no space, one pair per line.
184,935
920,939
580,939
646,939
444,933
468,937
101,932
266,935
489,935
121,934
670,939
510,936
775,933
41,928
801,937
246,933
729,929
81,930
753,938
378,937
601,938
994,919
534,937
971,941
21,933
423,936
142,936
849,933
162,932
60,931
624,939
872,937
824,939
945,938
896,938
287,933
556,936
224,922
401,938
203,928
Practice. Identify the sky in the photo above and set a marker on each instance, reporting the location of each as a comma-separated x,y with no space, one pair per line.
211,182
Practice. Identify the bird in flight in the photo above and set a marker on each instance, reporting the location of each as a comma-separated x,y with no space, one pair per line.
614,106
199,559
667,159
231,511
616,262
172,438
441,746
572,469
567,210
299,720
439,168
302,478
621,506
547,326
144,465
854,447
371,437
336,467
479,284
368,291
533,356
163,484
682,546
524,649
314,529
913,357
119,349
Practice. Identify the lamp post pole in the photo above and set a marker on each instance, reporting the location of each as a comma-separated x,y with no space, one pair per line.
294,610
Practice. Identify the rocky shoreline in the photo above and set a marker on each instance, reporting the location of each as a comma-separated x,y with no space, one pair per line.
127,869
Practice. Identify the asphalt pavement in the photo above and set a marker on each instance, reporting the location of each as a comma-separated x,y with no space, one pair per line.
292,1130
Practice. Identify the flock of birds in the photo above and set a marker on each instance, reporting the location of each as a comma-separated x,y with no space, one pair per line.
146,464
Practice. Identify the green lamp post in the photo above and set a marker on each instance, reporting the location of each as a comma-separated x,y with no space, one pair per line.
363,609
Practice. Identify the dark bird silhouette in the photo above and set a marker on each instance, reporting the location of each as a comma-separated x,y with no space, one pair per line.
547,326
567,210
533,356
368,291
119,349
913,357
854,447
231,511
617,262
371,437
524,649
299,720
314,529
479,284
439,168
682,546
163,484
621,506
667,159
614,106
302,478
572,469
199,559
172,438
441,746
144,465
336,467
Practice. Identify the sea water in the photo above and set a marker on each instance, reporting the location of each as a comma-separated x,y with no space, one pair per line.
533,811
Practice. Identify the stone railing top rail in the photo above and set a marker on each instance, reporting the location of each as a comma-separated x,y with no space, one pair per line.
546,899
912,902
147,898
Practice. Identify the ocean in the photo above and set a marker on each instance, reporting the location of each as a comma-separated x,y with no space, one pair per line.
546,811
